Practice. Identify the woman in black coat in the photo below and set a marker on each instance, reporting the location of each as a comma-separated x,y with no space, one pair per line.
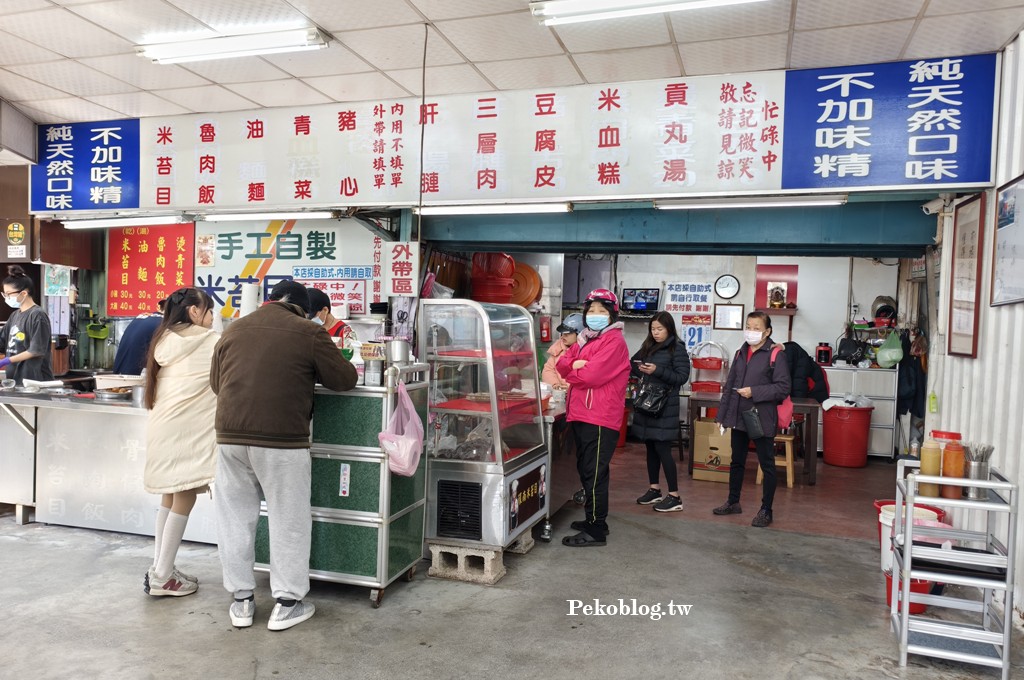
661,360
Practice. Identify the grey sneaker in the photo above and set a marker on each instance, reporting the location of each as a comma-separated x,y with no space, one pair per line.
172,586
763,518
180,575
728,508
241,612
651,497
669,503
283,618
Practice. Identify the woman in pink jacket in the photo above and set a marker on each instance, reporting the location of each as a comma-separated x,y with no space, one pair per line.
597,369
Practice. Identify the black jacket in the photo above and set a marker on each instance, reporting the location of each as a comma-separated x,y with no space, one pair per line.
804,372
673,370
768,387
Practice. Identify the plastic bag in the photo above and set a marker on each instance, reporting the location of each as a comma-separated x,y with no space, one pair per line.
402,441
891,351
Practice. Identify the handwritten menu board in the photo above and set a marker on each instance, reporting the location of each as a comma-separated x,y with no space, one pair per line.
146,264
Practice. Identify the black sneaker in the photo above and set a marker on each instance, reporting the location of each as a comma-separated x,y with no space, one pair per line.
763,518
651,497
728,508
669,503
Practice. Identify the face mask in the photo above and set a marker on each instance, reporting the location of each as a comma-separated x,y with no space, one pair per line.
317,320
752,337
12,301
596,323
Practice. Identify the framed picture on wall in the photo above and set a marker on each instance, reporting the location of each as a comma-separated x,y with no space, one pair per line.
965,276
1008,245
728,317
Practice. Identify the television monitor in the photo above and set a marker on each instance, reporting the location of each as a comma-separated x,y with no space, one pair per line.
641,299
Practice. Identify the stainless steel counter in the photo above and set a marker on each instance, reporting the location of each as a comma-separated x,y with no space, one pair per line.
89,460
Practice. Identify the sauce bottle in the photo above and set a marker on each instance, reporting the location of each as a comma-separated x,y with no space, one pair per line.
952,466
931,462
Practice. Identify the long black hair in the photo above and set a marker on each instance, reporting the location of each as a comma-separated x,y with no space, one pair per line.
666,320
175,314
18,279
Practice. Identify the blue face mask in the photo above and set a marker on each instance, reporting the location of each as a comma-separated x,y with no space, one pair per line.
597,323
317,320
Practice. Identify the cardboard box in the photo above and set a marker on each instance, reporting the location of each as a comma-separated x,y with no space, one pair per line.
712,452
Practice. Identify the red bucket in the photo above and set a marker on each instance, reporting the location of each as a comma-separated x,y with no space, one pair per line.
916,586
845,438
623,429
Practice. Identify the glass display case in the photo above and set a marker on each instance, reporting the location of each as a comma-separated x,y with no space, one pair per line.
485,441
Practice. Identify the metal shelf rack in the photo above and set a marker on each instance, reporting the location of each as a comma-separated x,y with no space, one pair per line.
978,559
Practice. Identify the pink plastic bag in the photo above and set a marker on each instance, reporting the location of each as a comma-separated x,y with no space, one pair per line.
402,441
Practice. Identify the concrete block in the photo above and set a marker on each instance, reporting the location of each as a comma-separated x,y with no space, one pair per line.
523,544
464,563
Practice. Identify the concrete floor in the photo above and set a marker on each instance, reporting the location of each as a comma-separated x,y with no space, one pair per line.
803,599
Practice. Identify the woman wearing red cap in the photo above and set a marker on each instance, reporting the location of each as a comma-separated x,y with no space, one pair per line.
597,368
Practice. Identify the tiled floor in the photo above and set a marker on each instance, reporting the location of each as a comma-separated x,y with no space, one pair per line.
839,505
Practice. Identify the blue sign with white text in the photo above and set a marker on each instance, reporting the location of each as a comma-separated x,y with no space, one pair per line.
909,123
86,166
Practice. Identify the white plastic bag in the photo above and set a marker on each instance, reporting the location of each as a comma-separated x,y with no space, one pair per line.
402,441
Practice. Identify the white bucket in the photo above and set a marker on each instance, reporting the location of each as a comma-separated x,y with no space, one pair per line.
922,516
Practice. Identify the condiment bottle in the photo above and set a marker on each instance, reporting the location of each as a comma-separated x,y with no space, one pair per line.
952,466
915,449
931,462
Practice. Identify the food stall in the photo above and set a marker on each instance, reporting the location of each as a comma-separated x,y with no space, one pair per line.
367,521
488,476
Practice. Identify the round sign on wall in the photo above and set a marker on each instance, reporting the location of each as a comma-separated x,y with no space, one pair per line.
15,233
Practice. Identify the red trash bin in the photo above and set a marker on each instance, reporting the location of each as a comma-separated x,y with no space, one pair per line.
845,438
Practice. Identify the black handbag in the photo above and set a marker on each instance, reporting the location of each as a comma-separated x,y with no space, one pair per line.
650,398
752,423
851,350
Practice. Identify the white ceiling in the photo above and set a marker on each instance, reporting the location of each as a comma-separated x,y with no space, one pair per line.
74,60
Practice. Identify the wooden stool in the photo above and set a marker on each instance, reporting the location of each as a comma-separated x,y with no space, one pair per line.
785,461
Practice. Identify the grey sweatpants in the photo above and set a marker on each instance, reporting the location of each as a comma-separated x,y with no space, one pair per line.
284,476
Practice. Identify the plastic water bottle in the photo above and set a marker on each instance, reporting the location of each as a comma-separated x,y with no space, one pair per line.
933,402
915,449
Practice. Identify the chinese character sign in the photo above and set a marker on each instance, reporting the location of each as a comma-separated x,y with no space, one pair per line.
401,269
86,166
335,256
922,122
690,305
146,264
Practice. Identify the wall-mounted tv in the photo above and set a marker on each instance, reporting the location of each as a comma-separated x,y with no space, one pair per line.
641,299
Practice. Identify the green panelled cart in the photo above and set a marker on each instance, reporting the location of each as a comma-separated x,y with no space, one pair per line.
367,522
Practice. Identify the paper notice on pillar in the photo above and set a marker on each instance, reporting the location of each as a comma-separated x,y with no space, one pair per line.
401,268
689,303
17,252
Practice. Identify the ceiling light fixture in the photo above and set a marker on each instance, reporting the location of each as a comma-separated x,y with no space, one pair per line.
808,201
505,209
241,217
227,47
558,12
120,222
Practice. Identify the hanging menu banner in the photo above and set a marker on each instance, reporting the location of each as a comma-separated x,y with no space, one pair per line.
922,123
146,264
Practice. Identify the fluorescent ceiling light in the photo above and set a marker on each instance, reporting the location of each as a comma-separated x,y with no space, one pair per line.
518,208
558,12
752,202
240,217
118,222
227,47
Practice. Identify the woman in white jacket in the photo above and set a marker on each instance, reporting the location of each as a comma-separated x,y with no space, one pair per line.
180,441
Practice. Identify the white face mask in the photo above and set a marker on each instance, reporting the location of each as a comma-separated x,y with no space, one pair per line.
12,301
752,337
317,320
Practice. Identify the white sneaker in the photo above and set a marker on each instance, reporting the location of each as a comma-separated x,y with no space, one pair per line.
283,618
241,612
172,586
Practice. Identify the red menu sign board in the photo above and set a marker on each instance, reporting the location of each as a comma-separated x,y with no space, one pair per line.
146,264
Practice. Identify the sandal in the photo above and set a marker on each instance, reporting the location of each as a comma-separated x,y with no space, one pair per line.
582,540
581,525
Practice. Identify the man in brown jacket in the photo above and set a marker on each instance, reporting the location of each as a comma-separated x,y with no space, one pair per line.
264,370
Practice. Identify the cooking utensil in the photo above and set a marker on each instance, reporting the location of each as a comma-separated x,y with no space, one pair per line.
110,395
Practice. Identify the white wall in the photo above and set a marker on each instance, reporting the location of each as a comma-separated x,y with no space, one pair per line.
823,290
983,398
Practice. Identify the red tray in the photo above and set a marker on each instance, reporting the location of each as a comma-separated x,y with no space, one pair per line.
706,386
